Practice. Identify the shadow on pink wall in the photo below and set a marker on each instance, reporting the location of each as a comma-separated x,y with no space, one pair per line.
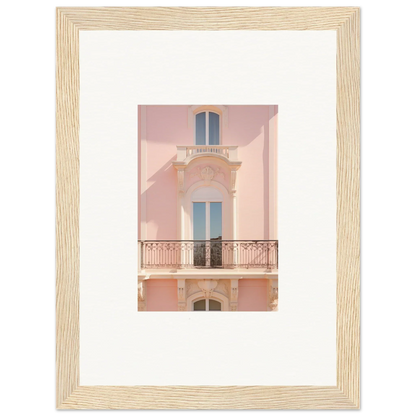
167,127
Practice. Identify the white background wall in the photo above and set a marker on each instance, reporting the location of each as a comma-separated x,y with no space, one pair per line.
302,66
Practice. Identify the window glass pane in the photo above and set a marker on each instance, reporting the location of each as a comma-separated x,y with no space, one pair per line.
215,220
200,129
199,220
215,232
199,305
199,224
214,129
214,305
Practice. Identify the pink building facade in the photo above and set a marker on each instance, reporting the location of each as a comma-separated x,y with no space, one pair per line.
208,234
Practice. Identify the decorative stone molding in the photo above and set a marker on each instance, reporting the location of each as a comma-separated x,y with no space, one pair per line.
273,294
181,295
207,286
207,174
234,295
141,295
141,291
223,287
201,295
223,290
191,288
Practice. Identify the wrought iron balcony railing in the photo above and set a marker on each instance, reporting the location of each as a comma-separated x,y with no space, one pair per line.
208,254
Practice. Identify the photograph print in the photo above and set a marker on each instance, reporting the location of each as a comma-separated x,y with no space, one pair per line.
207,216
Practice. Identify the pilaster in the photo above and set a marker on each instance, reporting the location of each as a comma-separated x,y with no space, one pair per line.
181,295
273,294
141,294
234,295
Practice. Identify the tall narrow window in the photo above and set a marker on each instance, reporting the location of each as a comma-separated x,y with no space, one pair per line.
207,128
207,231
200,129
214,129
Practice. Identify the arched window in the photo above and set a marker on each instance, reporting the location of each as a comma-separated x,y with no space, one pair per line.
207,227
207,128
207,305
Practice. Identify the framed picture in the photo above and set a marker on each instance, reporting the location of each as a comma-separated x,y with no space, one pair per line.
208,161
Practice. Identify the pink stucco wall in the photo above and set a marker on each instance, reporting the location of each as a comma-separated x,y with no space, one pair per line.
252,295
167,127
162,295
248,128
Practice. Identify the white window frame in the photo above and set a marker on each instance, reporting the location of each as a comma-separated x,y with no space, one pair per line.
207,127
208,223
225,303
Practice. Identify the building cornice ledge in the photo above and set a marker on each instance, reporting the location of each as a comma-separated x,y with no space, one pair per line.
183,164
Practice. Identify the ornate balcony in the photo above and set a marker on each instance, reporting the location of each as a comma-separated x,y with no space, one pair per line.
186,152
208,254
230,152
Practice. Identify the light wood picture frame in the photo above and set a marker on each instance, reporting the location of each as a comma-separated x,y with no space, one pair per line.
69,393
